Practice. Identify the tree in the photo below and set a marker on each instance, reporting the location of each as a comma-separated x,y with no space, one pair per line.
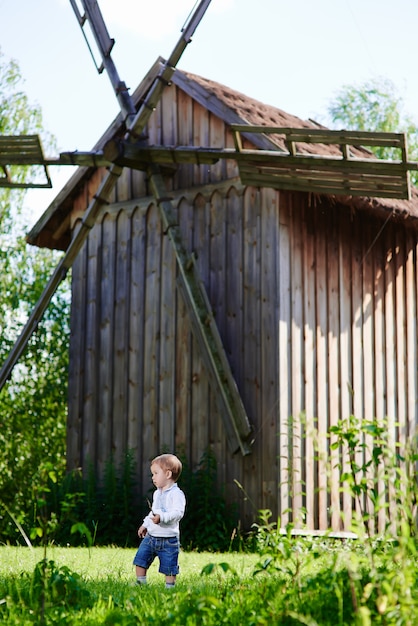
33,403
374,106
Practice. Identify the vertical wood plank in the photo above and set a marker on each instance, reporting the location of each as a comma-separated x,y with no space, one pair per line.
390,335
184,175
200,138
297,364
183,377
169,126
368,329
253,381
138,184
269,378
166,415
216,140
197,242
154,126
334,384
391,366
183,358
199,419
309,381
322,367
233,285
76,352
217,291
414,289
401,356
233,337
400,426
151,336
106,329
346,356
123,185
121,341
359,249
198,383
91,347
368,363
284,408
379,358
136,342
411,277
231,167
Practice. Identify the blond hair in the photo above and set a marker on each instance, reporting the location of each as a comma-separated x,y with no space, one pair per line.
169,462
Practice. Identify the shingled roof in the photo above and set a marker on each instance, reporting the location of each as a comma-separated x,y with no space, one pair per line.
232,107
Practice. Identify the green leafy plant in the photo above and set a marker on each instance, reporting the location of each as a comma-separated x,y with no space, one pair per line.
381,477
45,522
48,593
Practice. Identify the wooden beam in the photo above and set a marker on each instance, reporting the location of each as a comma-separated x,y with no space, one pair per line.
334,174
138,155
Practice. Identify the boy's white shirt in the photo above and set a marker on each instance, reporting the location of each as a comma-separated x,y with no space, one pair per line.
169,504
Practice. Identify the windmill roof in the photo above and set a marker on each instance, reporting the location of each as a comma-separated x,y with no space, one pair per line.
232,107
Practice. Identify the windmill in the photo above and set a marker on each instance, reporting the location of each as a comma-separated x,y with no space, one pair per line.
349,173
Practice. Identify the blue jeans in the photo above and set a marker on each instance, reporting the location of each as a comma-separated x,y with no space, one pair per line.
166,548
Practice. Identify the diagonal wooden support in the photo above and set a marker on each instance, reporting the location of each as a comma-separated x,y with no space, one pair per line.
231,407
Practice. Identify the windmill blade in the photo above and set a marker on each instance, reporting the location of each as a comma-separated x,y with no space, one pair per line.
92,16
135,126
22,150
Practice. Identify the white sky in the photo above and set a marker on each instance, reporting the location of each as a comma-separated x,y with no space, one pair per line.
295,55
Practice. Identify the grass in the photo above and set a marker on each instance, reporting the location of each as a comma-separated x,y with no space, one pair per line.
115,564
96,586
291,581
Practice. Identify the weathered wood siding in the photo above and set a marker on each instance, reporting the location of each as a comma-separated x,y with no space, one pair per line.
316,307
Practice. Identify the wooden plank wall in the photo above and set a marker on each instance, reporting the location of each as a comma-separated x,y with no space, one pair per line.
316,306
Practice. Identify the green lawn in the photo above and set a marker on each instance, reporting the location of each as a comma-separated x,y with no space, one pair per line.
96,564
97,586
292,581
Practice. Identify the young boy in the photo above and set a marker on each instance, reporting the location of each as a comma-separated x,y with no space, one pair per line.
160,529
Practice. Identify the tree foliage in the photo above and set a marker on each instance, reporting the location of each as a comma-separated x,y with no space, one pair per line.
33,402
374,106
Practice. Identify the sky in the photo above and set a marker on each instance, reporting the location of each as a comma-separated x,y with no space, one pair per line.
294,54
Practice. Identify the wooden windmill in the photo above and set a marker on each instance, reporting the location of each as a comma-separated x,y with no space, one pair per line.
351,171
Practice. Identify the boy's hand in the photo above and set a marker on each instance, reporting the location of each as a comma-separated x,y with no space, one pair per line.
142,531
156,519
